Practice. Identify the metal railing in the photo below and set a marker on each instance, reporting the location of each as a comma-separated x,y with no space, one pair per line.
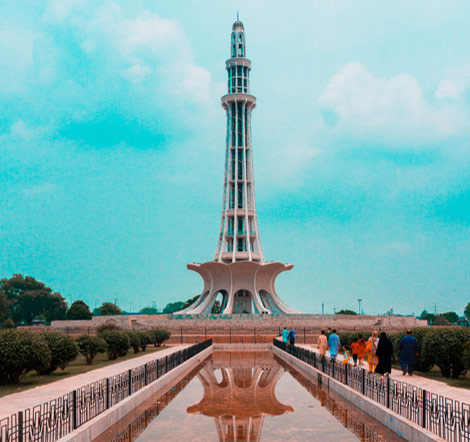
55,419
447,418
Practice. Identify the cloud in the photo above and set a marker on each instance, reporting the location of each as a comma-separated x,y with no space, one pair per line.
455,84
393,110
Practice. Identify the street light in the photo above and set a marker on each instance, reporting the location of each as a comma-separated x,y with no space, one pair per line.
359,300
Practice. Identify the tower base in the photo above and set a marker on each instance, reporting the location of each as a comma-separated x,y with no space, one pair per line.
243,287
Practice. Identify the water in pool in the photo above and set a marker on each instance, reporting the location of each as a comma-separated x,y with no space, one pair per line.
247,396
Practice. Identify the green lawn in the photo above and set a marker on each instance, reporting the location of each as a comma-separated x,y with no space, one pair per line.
32,379
435,374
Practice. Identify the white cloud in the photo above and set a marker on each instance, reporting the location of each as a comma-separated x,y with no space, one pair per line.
456,83
391,108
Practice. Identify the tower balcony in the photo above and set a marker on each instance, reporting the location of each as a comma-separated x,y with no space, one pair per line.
239,61
240,256
240,97
241,212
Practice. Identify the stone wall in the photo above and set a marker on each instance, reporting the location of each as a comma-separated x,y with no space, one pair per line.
241,328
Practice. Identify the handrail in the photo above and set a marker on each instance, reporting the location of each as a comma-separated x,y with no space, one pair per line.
55,419
445,417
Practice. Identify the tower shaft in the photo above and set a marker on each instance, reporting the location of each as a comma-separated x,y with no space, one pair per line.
239,234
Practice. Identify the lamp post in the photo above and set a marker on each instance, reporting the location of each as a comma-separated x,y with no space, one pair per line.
359,300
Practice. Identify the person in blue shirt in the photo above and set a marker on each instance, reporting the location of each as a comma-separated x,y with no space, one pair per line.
284,334
292,337
334,344
408,349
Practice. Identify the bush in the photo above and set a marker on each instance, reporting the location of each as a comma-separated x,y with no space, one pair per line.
118,343
159,335
90,346
21,352
447,347
145,339
347,338
63,350
441,320
108,327
9,323
425,360
134,340
79,310
466,355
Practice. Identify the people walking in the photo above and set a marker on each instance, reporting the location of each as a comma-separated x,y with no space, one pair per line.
334,344
354,351
408,351
384,353
284,335
291,337
361,350
371,349
322,343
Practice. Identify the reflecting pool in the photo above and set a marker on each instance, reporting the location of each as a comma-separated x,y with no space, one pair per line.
247,396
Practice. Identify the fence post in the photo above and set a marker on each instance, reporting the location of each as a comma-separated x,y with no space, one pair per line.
424,409
346,374
388,391
146,376
74,409
107,394
363,381
129,376
20,426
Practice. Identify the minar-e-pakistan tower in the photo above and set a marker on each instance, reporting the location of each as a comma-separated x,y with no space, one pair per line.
239,272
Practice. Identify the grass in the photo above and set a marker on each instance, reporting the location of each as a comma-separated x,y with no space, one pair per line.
32,379
435,375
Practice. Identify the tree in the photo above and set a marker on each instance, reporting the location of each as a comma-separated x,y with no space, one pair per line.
109,309
452,317
145,339
29,299
148,311
190,301
79,310
216,307
134,340
428,317
63,350
466,311
90,346
441,320
3,306
21,352
346,312
173,307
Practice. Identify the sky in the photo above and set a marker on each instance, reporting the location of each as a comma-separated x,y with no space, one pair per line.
112,144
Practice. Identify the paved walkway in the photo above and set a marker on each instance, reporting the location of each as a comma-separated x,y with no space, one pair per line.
437,387
20,401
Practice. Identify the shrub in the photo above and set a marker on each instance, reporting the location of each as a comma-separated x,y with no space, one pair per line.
145,339
90,346
441,320
118,343
108,327
347,338
447,347
425,360
9,323
466,355
21,352
63,350
79,310
134,340
159,335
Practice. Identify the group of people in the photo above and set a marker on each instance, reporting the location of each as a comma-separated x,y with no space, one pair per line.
379,351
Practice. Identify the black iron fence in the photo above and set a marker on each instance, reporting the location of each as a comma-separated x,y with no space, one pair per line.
55,419
447,418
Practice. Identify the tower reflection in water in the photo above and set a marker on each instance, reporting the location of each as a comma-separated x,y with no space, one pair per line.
239,396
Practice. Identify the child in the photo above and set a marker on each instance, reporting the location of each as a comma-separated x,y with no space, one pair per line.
355,350
347,355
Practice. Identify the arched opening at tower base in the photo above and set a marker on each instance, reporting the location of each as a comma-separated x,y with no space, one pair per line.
220,302
242,302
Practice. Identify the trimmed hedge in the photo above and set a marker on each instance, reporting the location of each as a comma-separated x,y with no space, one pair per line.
21,352
118,343
63,350
347,338
90,346
159,336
